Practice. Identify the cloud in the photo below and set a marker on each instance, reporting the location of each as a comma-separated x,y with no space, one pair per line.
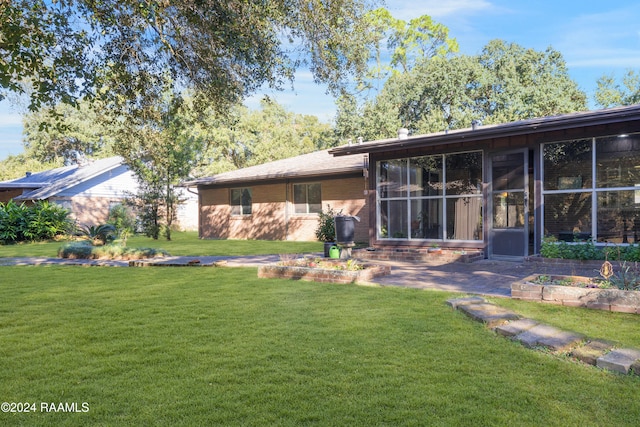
409,9
607,40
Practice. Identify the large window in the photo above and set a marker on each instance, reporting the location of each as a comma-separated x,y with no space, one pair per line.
431,197
591,189
241,201
307,198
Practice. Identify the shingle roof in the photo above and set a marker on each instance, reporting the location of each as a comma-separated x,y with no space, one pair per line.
49,183
316,164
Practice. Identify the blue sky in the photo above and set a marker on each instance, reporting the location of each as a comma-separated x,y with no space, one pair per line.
595,38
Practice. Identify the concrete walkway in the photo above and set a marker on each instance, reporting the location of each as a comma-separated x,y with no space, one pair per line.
485,277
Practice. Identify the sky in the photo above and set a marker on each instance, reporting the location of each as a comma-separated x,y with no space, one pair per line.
595,38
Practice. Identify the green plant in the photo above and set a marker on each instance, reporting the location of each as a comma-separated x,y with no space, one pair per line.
627,277
326,229
41,221
85,250
100,234
123,221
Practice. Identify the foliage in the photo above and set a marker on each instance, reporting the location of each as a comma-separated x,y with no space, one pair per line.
295,260
123,220
505,82
552,248
611,93
246,137
17,166
326,229
84,250
626,277
99,234
122,52
161,154
41,221
81,133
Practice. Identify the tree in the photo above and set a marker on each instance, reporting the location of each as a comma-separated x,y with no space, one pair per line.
161,153
124,51
81,133
506,82
611,94
247,137
525,83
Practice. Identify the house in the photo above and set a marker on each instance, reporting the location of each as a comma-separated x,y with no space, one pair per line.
280,200
502,188
88,190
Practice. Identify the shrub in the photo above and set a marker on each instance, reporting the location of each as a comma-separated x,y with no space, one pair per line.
100,234
42,221
326,230
84,250
552,248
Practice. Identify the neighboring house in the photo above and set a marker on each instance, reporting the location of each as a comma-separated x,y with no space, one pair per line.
502,188
88,190
280,200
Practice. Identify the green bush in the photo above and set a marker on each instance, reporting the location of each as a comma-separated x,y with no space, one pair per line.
552,248
326,229
84,250
41,221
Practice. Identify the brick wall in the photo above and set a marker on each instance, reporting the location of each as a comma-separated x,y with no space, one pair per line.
273,216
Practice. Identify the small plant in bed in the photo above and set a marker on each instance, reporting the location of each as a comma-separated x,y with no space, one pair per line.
85,250
319,263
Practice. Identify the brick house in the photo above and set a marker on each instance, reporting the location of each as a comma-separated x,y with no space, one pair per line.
280,200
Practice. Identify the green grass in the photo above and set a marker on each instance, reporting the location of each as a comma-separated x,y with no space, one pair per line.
216,346
181,244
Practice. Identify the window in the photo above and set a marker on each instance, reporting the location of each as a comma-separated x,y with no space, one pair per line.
591,189
241,201
307,198
431,197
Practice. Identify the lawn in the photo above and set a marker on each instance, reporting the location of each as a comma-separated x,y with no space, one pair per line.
217,346
181,244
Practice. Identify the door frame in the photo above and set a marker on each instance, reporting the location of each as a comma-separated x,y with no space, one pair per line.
490,204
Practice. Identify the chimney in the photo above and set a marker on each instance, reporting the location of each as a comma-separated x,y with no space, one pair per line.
403,133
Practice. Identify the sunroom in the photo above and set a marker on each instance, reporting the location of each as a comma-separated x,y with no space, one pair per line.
503,188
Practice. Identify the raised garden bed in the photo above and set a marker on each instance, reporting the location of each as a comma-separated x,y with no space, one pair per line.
575,291
326,271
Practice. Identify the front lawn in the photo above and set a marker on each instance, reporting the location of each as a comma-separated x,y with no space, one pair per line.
218,346
181,244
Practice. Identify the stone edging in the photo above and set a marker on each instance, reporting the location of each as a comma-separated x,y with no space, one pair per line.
600,299
533,334
273,271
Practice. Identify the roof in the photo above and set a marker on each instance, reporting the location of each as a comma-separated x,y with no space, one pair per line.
316,164
523,127
49,183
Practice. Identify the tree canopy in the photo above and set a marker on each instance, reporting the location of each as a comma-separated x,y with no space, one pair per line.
127,52
612,93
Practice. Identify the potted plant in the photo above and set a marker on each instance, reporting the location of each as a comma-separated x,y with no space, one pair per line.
326,230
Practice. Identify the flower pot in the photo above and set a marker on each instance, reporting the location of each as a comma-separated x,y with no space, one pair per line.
327,248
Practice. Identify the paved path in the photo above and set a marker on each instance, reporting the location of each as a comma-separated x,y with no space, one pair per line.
485,277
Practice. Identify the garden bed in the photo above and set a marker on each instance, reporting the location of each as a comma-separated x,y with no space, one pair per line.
327,271
575,291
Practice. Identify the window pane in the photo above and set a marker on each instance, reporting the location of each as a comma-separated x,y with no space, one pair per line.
426,219
464,173
568,216
392,178
567,165
464,218
300,198
393,219
425,175
618,219
618,161
246,201
236,196
314,198
508,210
508,172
